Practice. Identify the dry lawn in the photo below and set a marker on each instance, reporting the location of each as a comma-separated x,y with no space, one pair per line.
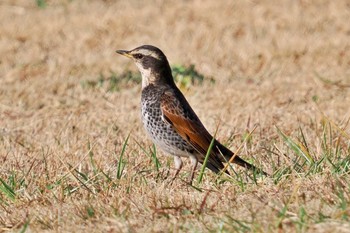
277,65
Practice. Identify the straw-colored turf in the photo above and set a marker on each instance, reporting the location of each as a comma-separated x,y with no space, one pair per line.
277,65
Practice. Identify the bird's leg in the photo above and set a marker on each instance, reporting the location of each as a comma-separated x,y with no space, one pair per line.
194,163
178,166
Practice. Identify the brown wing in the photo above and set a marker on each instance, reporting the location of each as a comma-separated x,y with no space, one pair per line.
177,112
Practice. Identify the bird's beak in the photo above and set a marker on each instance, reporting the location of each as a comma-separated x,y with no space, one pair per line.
124,53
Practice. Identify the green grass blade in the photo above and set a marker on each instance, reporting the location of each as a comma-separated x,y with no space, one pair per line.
91,155
299,149
121,163
153,155
7,190
200,176
25,227
154,158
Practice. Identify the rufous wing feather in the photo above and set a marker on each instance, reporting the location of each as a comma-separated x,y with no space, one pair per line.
189,127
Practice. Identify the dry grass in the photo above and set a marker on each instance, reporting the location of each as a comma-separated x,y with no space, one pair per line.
277,64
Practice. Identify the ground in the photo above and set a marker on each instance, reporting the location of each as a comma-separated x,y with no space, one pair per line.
74,156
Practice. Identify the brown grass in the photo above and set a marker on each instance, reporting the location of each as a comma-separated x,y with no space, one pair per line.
282,64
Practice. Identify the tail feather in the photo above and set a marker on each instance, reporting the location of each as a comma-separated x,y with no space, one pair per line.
237,160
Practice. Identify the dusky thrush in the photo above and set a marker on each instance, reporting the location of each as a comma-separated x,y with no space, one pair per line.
169,119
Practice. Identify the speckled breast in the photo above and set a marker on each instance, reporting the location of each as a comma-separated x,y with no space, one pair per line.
161,132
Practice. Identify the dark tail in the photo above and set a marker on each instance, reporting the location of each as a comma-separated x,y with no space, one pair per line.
237,160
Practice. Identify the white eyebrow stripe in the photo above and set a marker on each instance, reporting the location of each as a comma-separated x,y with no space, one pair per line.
147,53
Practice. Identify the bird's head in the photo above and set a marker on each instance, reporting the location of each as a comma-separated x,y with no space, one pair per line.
152,63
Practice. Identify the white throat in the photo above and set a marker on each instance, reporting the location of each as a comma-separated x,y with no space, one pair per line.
146,75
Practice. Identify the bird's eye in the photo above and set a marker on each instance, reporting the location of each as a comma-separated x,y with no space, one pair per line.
138,56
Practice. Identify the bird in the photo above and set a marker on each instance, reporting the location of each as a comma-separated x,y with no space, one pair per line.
170,121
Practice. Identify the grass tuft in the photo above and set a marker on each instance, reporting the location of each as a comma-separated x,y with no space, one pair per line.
187,76
298,148
184,77
41,3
